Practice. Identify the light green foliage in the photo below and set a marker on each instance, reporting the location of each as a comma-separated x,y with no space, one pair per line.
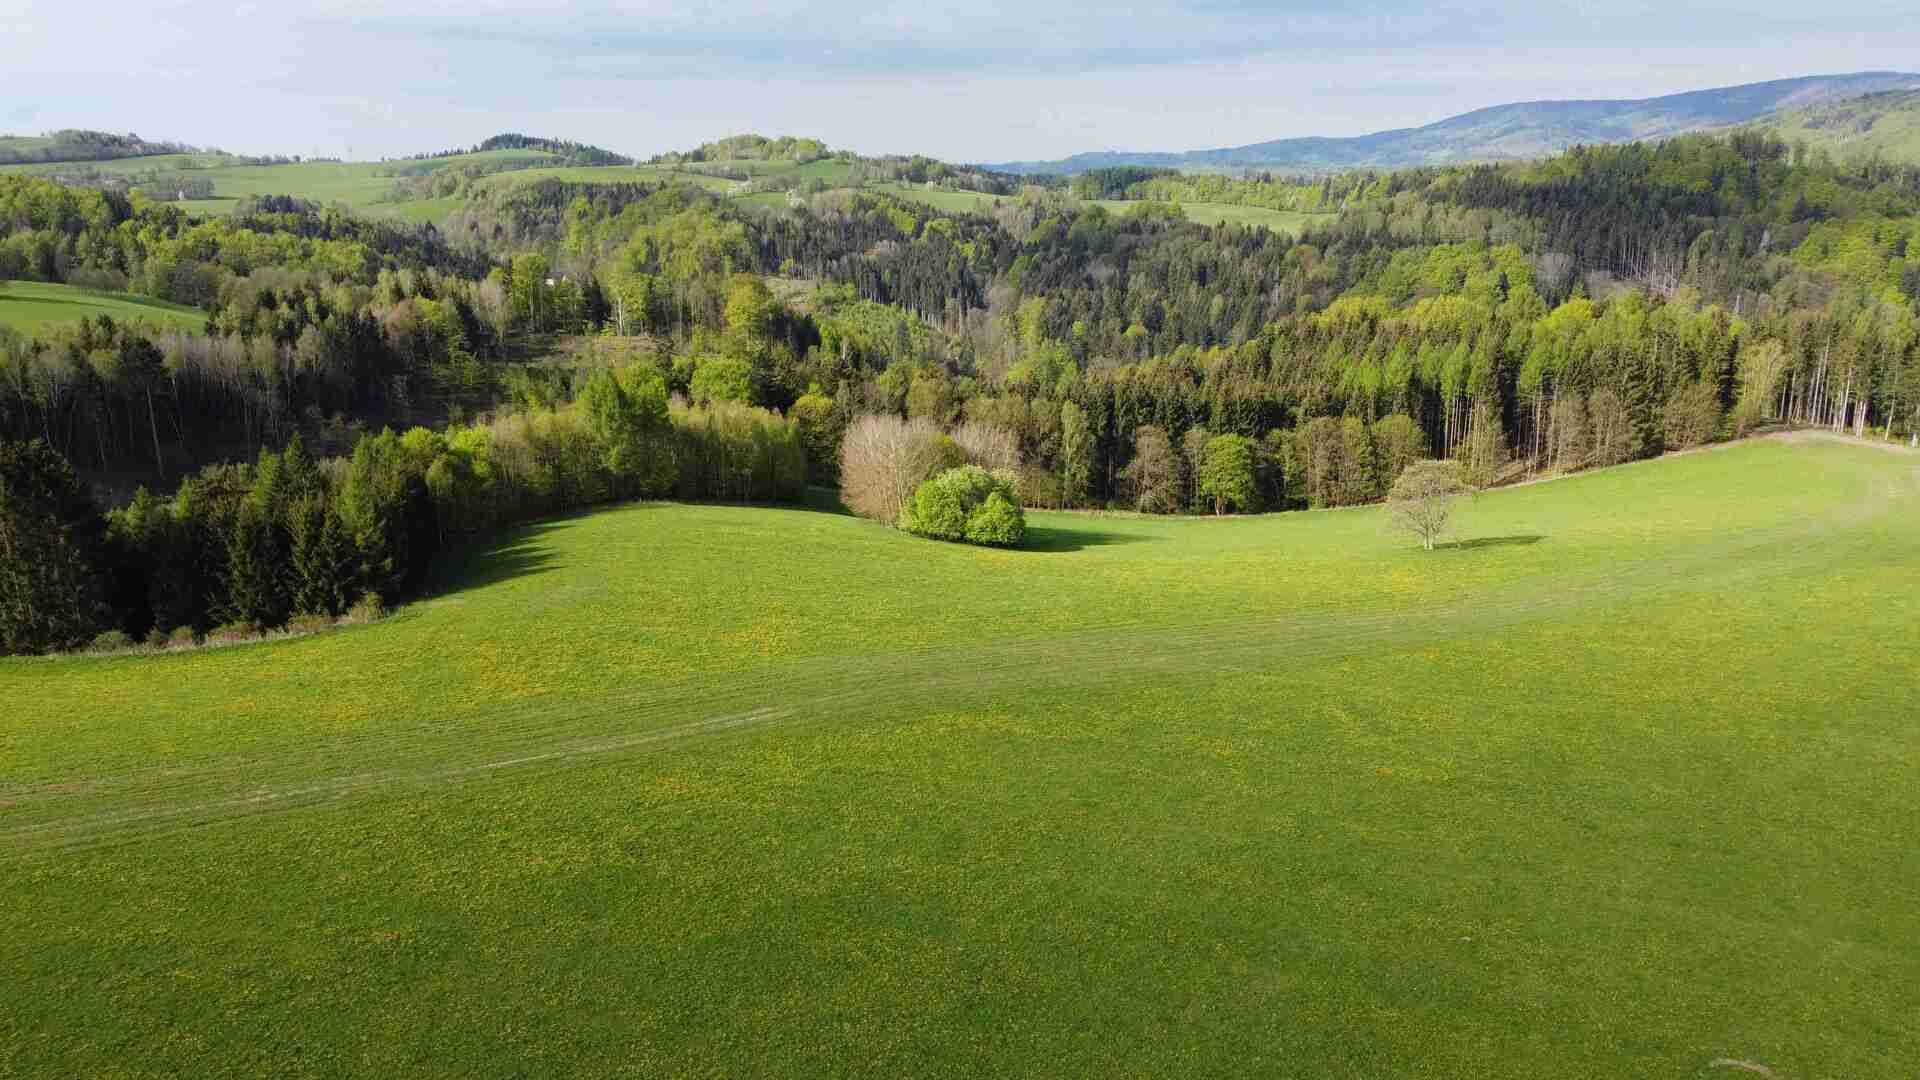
967,503
628,414
1484,453
721,378
999,522
1154,472
1226,473
1076,453
1397,443
821,427
731,451
750,306
1761,366
1692,415
1422,499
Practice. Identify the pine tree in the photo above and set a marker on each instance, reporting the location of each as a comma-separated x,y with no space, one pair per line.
47,585
322,559
1645,400
255,592
299,472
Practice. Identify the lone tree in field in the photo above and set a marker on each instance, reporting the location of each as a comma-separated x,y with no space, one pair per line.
1422,499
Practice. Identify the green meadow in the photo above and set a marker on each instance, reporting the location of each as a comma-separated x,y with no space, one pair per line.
1292,221
1619,784
28,306
367,186
362,185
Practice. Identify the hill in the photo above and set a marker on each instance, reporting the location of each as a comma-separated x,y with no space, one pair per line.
784,792
1885,126
75,145
1507,132
566,151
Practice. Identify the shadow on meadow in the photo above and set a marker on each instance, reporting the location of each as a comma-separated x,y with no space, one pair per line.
520,551
820,500
1053,538
48,301
1493,541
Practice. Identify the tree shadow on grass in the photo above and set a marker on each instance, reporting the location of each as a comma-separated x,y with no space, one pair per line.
1053,538
520,551
49,300
1493,541
819,500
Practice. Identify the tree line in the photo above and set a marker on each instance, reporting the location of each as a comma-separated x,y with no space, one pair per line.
290,536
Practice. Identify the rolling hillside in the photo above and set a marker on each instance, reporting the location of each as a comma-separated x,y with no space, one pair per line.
27,306
74,145
1884,125
1509,132
778,790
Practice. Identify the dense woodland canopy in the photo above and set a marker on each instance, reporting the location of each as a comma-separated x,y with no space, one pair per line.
562,343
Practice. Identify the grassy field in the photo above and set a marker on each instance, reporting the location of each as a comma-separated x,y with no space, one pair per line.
122,166
364,186
1292,221
27,306
1621,785
1878,127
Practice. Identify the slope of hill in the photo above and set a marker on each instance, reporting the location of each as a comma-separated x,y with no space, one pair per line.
1327,789
568,151
27,306
74,145
1510,132
1884,125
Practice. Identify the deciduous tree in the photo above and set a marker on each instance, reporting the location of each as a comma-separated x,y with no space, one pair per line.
1422,499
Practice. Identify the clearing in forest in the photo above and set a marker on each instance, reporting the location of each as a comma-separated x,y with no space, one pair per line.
28,306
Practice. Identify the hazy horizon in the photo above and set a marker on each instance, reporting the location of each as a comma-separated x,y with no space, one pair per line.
997,82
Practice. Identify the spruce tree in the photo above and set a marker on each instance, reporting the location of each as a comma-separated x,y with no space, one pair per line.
322,559
255,592
47,536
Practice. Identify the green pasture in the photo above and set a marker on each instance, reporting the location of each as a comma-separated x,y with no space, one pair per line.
28,306
1292,221
1289,221
361,185
365,186
613,174
120,166
1203,213
947,199
1621,784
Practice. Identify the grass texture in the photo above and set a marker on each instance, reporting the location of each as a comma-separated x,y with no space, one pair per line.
1619,784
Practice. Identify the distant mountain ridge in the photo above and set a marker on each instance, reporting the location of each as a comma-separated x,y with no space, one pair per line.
1509,132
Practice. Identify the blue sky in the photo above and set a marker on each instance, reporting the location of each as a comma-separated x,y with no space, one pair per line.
992,80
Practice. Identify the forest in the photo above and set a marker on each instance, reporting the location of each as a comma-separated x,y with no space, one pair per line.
367,392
